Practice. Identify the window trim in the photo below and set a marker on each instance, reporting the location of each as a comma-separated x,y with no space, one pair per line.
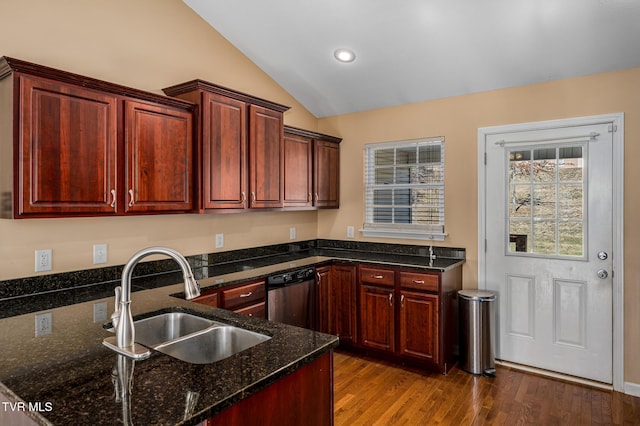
390,230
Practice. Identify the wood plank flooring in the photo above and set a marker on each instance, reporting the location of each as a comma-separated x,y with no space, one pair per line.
372,392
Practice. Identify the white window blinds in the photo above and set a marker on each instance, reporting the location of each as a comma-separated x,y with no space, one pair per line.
404,189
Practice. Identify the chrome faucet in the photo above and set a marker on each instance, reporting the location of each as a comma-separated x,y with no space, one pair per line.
124,340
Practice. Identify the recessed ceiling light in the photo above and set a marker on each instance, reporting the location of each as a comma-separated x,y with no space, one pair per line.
344,55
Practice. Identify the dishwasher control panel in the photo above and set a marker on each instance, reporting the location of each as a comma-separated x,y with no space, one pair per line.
292,277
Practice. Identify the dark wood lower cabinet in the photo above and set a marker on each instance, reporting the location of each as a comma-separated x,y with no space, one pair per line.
408,316
342,301
419,325
303,397
377,324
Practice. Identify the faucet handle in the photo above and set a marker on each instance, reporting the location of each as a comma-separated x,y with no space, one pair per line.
115,316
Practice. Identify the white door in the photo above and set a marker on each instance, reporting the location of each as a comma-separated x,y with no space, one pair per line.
549,247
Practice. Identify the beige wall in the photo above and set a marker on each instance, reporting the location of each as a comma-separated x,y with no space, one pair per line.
146,44
151,44
458,120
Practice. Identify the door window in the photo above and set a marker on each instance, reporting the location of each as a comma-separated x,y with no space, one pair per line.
546,201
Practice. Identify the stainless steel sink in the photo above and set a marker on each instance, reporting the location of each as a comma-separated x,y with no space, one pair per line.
192,338
212,344
166,327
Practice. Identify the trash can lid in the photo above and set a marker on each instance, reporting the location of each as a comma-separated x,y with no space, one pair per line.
482,295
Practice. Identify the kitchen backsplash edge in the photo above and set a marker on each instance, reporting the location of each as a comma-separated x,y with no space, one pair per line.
167,271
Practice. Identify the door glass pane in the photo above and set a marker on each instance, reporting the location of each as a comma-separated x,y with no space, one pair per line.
571,237
546,201
544,237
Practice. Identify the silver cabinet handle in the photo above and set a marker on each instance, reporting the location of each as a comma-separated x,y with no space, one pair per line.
418,281
308,197
131,198
246,294
113,198
402,300
377,277
243,200
253,198
317,197
390,299
318,277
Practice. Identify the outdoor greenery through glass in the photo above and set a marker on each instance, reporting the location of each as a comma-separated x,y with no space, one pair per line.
546,201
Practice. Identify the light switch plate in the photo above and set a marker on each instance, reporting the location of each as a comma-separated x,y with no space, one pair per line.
350,232
100,312
219,240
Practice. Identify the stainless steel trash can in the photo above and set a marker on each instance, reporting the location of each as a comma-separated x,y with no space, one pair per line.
477,312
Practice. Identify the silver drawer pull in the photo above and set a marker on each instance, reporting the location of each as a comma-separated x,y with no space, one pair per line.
131,198
390,299
113,198
418,281
377,277
246,294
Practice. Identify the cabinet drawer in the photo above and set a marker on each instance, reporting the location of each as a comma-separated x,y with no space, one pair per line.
416,281
210,299
377,276
259,310
244,295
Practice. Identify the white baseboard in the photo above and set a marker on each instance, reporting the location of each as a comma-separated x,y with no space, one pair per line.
632,389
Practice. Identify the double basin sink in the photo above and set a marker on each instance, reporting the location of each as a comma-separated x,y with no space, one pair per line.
194,339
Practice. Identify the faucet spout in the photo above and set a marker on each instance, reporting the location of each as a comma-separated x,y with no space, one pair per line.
125,331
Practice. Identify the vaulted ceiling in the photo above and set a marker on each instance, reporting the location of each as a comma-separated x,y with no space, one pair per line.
415,50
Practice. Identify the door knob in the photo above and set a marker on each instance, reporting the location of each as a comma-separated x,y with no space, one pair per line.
602,255
602,273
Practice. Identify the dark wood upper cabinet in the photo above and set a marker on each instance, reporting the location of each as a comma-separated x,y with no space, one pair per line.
312,169
326,174
266,169
159,157
86,147
67,149
224,152
241,146
298,168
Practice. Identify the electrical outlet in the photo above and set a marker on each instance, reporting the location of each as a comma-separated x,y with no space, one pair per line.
99,253
43,260
219,240
350,232
44,324
292,233
100,312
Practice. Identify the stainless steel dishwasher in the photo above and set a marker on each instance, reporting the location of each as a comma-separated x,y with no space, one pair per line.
292,298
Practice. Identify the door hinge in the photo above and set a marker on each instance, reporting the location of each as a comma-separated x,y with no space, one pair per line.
612,128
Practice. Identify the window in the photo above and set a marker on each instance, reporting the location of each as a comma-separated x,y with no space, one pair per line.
404,189
546,201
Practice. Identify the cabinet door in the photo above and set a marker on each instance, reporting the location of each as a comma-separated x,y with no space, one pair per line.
224,152
326,169
67,149
376,317
159,158
342,299
297,171
265,157
323,308
419,325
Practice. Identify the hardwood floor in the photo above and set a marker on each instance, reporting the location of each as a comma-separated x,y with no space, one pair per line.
371,392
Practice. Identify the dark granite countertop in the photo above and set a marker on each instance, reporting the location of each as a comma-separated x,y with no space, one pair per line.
68,374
